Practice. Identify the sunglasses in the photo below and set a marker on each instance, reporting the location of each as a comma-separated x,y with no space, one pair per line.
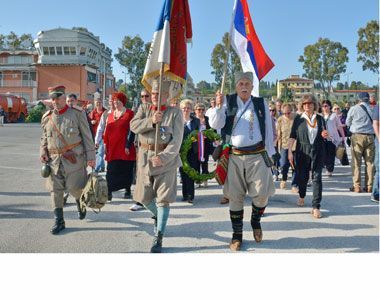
272,110
144,96
200,109
325,105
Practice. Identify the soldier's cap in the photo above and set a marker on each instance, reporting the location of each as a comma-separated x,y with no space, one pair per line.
363,96
165,86
56,91
243,75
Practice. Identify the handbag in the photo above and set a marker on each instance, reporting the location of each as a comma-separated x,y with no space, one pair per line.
222,166
340,150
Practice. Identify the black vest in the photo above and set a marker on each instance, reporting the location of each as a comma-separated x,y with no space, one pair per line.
232,107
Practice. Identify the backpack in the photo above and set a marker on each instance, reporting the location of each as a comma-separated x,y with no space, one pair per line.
95,193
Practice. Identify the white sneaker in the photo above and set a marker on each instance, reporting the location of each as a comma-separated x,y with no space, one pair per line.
136,207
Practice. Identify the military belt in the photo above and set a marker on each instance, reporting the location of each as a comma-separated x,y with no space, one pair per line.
64,149
150,147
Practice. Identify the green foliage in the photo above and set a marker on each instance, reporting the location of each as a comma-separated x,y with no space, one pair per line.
287,95
218,56
35,114
324,61
267,89
14,42
133,55
368,46
186,147
339,86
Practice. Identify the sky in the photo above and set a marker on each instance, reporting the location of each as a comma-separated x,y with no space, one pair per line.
284,27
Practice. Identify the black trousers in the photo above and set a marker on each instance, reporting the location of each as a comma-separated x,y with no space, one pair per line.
120,174
330,156
303,169
187,182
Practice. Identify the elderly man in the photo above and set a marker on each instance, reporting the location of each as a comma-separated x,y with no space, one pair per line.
66,144
246,125
157,174
359,120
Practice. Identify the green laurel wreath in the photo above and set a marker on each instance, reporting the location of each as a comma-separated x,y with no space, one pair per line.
186,146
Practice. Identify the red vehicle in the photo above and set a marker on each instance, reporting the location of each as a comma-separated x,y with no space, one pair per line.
14,107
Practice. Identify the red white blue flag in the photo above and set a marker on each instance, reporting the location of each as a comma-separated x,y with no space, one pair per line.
246,43
169,46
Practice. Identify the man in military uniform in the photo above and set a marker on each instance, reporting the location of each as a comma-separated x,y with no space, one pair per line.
67,145
157,174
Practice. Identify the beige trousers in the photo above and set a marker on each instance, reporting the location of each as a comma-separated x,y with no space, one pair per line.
73,182
362,146
248,174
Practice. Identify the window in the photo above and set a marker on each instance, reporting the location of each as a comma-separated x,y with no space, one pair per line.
109,83
73,51
82,51
46,50
91,77
59,50
51,50
66,50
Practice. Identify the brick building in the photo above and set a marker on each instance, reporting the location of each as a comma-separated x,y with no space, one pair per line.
74,58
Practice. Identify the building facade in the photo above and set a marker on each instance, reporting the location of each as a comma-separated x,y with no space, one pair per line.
74,58
18,73
296,85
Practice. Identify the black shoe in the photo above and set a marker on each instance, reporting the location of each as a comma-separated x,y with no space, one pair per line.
102,170
190,200
81,210
157,243
59,224
109,196
128,195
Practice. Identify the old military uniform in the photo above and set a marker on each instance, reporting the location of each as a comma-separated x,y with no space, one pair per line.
67,141
158,183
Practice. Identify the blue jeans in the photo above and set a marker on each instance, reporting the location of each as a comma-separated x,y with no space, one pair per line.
100,157
375,192
285,165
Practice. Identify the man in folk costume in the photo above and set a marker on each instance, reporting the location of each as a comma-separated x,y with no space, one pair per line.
157,174
246,125
67,145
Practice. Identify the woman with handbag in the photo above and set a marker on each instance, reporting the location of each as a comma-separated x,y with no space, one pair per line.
334,127
342,117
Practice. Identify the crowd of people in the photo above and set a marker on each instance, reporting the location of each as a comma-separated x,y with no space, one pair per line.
268,142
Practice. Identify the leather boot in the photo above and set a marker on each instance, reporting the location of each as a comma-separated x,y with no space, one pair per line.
237,227
81,211
59,224
155,224
255,223
157,243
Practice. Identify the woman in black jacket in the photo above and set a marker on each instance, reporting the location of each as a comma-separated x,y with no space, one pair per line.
309,130
191,123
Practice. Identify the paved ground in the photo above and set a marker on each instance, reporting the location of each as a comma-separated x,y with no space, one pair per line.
350,223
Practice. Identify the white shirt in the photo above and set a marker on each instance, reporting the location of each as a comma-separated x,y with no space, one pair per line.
332,124
243,135
312,132
101,127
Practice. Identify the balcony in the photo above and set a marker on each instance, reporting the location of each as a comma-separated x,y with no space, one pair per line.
18,83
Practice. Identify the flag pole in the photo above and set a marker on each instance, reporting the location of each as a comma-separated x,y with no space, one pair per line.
159,107
228,51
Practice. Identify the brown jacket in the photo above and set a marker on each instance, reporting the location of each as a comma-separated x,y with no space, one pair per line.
170,134
73,126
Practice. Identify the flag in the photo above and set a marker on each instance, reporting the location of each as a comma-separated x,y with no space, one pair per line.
246,43
169,46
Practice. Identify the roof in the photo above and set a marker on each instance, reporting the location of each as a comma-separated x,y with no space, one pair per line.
298,79
355,91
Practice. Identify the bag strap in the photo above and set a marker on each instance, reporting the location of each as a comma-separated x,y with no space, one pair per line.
60,135
365,109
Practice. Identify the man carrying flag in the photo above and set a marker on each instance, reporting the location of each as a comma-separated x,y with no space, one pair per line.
246,126
160,127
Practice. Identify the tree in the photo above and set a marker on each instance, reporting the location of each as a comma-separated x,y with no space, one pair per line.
14,42
2,41
368,46
203,85
339,86
218,56
133,55
354,85
324,61
287,96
